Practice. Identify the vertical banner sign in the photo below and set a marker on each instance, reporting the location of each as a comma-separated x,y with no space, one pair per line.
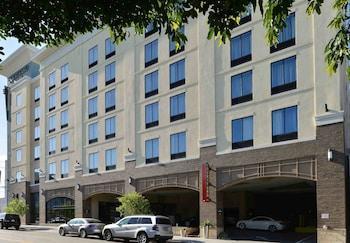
205,182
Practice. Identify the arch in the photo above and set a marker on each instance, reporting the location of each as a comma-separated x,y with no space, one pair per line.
155,188
59,208
116,188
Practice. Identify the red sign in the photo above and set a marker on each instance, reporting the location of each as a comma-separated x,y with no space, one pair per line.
205,182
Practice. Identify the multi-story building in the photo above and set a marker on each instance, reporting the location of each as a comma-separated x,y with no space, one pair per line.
205,132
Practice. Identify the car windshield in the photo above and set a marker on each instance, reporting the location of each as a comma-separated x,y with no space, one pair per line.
93,221
163,221
12,216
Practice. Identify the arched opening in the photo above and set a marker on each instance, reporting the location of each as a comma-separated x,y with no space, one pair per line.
59,210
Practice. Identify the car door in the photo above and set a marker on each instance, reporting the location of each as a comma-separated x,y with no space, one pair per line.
254,223
131,227
118,230
70,225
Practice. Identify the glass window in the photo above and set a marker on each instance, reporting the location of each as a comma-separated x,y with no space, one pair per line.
151,84
92,107
93,162
152,150
288,32
93,132
18,118
285,124
64,168
133,220
19,100
64,118
177,107
18,176
145,221
64,72
93,56
52,80
110,127
52,102
151,115
19,137
52,170
150,29
37,93
110,73
242,132
52,145
109,48
178,145
110,100
37,152
172,44
241,49
64,95
92,81
283,75
52,123
36,132
64,141
37,112
19,155
241,88
36,176
177,73
111,159
151,53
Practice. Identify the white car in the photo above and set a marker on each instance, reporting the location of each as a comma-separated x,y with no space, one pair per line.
261,223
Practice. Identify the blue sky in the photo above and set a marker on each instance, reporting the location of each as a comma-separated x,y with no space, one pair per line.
10,45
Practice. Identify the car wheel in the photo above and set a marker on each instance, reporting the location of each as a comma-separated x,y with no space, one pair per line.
272,228
108,235
1,226
83,233
17,227
142,237
62,232
242,226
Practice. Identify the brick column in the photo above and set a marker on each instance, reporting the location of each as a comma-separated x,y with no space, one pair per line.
78,194
42,200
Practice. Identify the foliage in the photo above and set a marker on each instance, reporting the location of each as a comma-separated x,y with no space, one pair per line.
133,203
207,223
61,21
17,206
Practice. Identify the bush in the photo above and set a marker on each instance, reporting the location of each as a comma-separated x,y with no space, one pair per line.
133,203
17,206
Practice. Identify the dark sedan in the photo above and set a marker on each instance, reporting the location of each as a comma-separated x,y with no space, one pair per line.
82,227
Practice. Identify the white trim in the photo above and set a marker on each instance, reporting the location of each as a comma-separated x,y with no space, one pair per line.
329,118
203,143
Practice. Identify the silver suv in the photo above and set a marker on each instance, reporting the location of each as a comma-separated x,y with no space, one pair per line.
140,227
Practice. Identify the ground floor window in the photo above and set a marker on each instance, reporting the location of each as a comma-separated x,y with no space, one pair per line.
59,209
34,207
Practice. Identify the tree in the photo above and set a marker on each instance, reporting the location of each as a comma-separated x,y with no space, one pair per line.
17,206
58,22
133,203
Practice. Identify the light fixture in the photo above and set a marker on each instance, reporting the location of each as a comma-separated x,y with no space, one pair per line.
326,107
77,186
42,191
23,194
330,155
130,180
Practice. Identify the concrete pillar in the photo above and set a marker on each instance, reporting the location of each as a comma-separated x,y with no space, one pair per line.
42,201
78,193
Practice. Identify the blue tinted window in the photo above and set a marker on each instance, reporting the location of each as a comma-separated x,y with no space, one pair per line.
151,51
111,157
285,121
177,104
177,71
92,105
64,94
151,82
92,80
178,143
109,46
241,46
288,32
152,148
93,131
241,84
172,46
110,98
110,71
93,55
283,72
110,125
93,160
242,129
151,112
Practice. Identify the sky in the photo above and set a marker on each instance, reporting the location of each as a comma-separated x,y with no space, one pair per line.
10,45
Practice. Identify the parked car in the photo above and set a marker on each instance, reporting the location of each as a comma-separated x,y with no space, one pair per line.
58,219
140,227
9,220
82,227
262,223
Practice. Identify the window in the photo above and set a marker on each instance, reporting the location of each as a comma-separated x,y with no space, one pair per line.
283,75
93,162
52,123
64,168
145,221
64,119
110,100
151,84
172,45
178,145
286,37
18,176
37,113
177,73
93,133
36,176
109,48
111,159
52,102
151,53
241,88
19,137
64,141
110,73
92,81
151,114
177,107
64,73
241,49
52,170
110,127
37,152
19,155
93,56
36,93
150,29
285,124
52,145
242,132
52,80
36,133
92,107
19,100
18,118
64,96
245,16
152,151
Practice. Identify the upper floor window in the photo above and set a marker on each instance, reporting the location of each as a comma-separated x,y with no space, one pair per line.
19,100
18,118
150,29
178,145
245,16
64,96
36,93
52,145
110,73
64,119
64,168
177,73
19,137
37,152
241,88
52,102
110,100
111,159
19,155
64,141
151,53
152,150
93,162
92,81
52,123
285,124
93,56
151,114
52,80
241,49
36,113
93,133
36,176
286,37
151,84
92,107
177,107
109,48
172,44
64,73
36,133
242,132
110,127
52,170
283,75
